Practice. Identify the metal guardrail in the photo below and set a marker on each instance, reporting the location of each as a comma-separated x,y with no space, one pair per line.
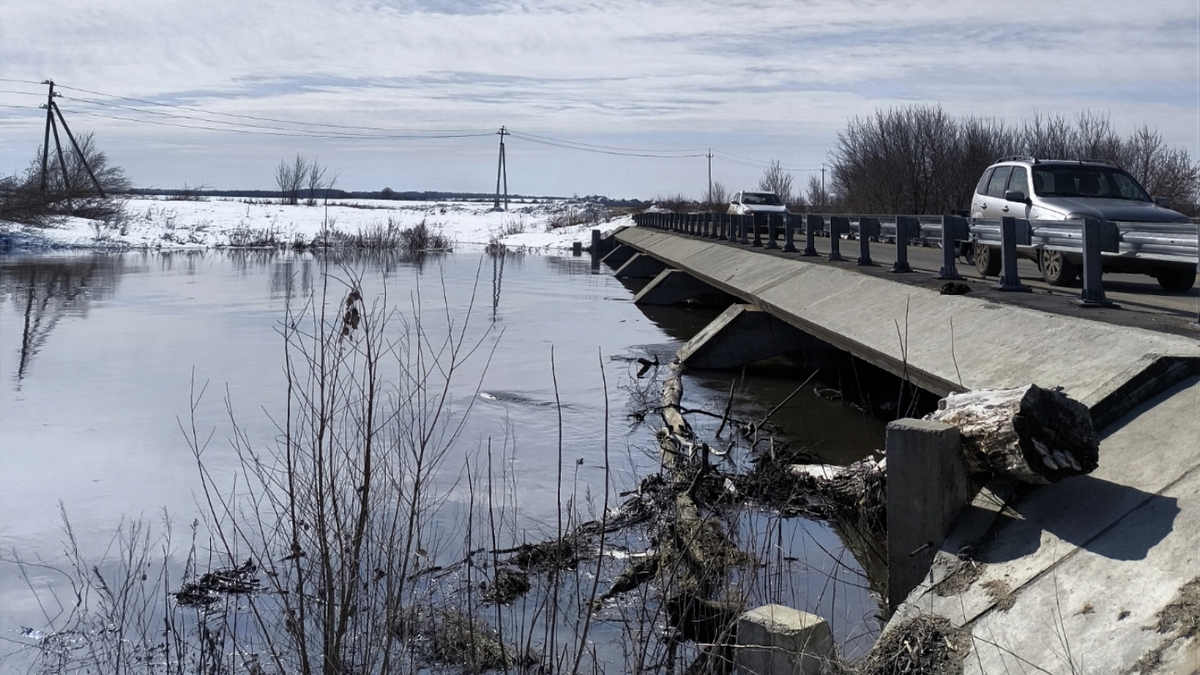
1094,239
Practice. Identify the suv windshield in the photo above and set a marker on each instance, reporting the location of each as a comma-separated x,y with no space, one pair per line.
764,198
1086,181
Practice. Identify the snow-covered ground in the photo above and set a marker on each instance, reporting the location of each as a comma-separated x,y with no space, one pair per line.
156,222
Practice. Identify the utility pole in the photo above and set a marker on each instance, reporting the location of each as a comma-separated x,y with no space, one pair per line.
501,170
823,199
46,137
52,109
710,156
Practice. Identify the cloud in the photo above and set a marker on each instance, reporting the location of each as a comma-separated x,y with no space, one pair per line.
781,76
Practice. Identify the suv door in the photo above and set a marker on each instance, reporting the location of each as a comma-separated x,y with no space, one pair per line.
991,202
1018,180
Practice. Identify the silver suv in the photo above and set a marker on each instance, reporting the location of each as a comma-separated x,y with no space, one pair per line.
1024,187
750,202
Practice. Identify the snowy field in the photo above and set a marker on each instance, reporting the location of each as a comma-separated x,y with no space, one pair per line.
161,223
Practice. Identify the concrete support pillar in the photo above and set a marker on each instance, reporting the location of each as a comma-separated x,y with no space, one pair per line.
618,256
640,266
741,335
926,490
671,287
778,640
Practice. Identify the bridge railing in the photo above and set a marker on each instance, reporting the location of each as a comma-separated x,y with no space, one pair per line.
1094,239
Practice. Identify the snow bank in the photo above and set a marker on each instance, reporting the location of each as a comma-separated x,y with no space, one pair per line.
159,223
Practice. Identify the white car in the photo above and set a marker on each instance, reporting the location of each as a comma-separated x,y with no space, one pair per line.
1038,189
747,203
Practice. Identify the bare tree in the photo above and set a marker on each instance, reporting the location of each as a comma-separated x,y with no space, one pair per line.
315,181
775,179
817,196
718,198
290,177
69,187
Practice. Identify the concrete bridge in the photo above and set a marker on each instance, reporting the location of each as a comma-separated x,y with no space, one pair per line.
1099,573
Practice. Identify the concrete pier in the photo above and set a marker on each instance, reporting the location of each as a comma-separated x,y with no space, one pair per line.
640,266
926,490
673,286
741,335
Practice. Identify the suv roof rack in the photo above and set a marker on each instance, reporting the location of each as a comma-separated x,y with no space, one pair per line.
1018,158
1109,162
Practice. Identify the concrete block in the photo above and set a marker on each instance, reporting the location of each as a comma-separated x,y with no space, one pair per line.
778,640
926,490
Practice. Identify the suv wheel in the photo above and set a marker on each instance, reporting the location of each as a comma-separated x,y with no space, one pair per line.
1176,280
987,260
1056,269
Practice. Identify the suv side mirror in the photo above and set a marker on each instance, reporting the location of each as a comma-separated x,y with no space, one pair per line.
1164,202
1015,196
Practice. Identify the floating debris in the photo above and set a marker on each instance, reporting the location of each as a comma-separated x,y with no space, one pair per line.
210,587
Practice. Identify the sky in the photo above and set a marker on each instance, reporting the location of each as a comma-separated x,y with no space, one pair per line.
614,97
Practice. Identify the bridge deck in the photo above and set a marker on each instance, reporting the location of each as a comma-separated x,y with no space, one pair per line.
907,328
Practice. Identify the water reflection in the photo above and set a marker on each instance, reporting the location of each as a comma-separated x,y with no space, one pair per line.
47,290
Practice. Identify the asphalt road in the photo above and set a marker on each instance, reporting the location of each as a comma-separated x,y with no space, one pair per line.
1141,301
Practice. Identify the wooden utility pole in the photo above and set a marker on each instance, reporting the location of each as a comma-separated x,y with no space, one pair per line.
501,171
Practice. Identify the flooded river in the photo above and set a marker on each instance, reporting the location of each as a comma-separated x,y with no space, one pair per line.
102,355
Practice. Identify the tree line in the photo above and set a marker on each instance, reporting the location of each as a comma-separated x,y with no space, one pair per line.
919,159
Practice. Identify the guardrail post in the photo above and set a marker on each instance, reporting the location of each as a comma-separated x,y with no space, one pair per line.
812,223
771,219
907,227
954,230
710,220
1010,235
867,228
837,226
789,234
742,231
1097,236
754,222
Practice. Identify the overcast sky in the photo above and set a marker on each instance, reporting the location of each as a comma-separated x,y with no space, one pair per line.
409,94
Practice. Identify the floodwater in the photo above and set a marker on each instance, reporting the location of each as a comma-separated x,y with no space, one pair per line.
101,357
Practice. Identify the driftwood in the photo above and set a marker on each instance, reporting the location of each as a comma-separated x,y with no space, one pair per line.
1031,434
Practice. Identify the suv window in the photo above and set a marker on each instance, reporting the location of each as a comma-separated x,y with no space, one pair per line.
981,189
1019,180
1087,181
998,181
761,198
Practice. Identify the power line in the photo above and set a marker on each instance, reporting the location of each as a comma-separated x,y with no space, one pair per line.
569,145
244,127
610,147
274,132
205,122
256,117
